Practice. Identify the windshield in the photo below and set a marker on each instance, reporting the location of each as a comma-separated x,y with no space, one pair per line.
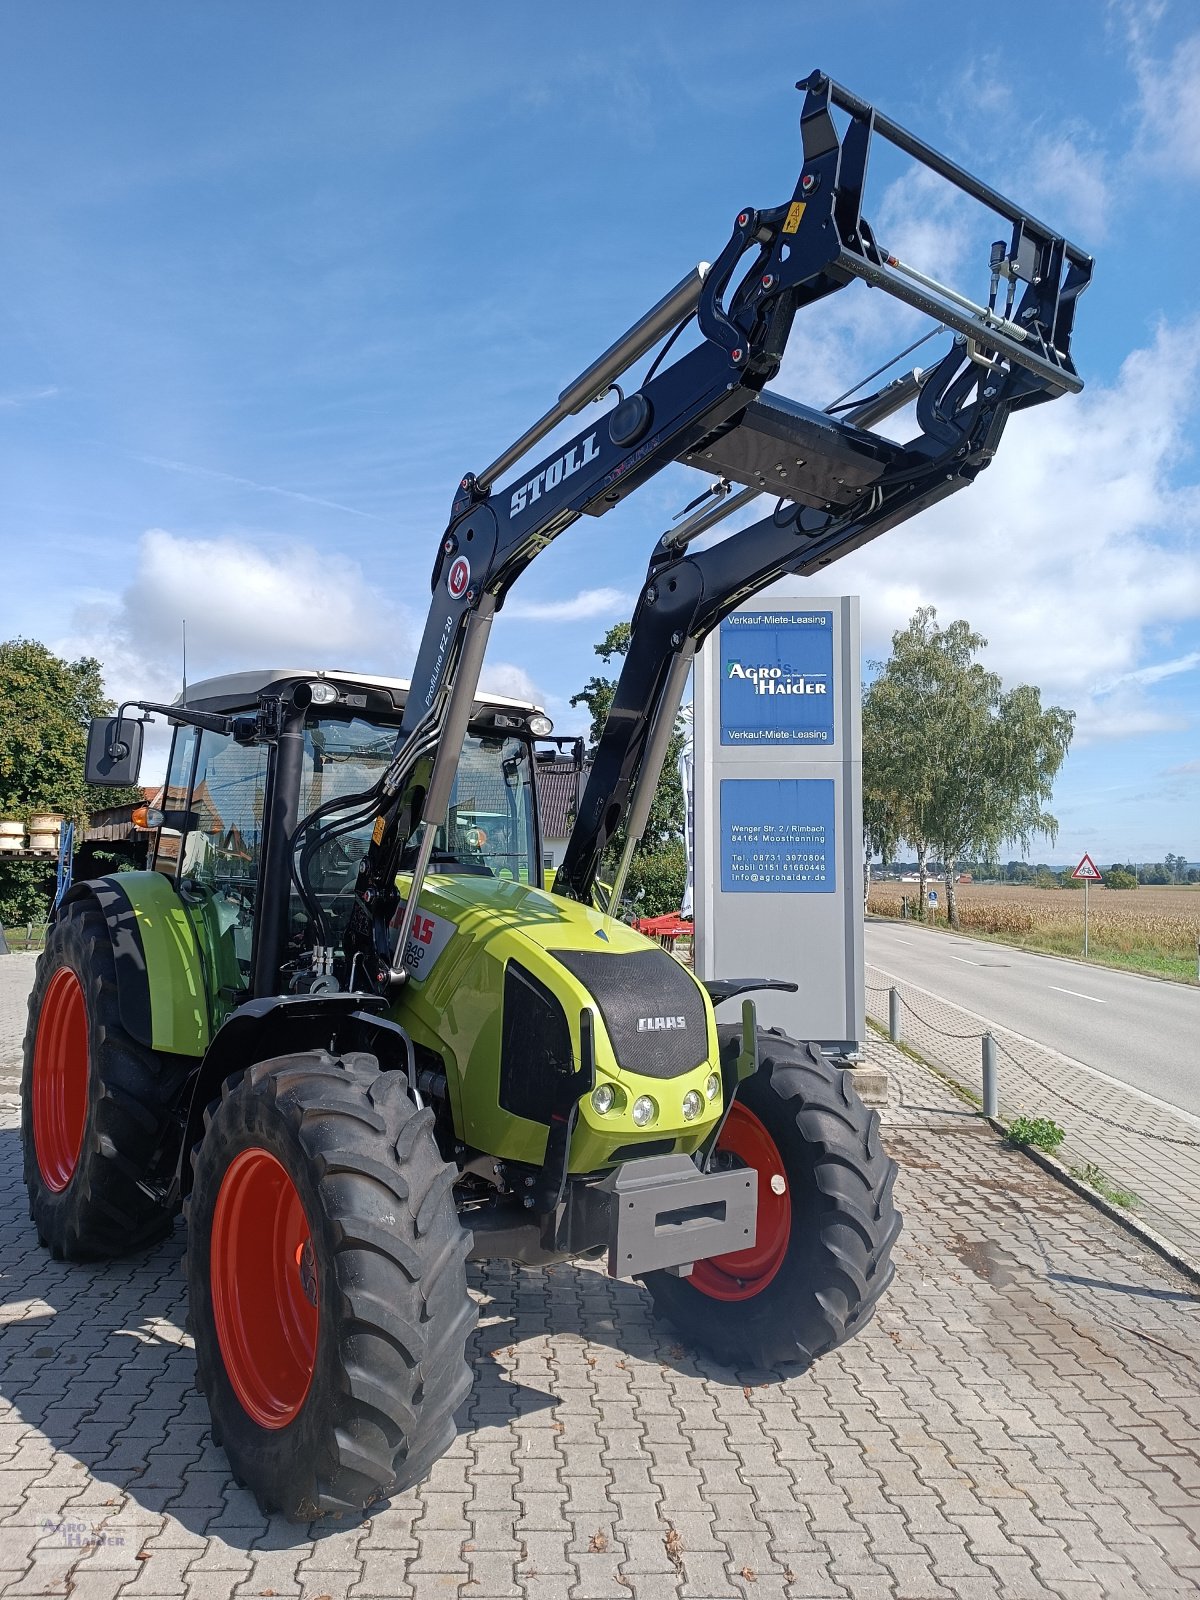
489,828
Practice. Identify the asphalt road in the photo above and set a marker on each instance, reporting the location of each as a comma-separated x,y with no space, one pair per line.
1144,1032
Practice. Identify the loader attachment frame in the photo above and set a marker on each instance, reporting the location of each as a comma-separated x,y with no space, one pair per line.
709,410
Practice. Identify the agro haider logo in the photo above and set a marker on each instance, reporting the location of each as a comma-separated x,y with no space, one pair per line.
778,678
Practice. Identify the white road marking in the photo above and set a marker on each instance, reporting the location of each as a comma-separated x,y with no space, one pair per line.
964,961
1079,996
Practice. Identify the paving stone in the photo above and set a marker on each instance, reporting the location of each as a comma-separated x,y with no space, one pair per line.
1036,1436
385,1573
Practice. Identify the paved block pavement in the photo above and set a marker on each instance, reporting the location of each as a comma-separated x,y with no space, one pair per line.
1020,1419
1150,1149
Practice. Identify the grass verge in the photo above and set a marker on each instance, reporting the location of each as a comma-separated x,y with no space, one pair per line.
1123,957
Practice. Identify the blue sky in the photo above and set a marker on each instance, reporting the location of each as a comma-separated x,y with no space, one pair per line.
273,277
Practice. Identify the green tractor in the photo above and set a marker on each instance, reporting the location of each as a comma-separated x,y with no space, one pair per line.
341,1020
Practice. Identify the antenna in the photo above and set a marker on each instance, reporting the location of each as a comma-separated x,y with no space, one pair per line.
183,694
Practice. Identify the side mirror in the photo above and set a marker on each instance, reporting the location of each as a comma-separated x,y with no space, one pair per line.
114,752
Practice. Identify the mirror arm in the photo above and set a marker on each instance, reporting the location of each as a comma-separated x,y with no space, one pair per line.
210,721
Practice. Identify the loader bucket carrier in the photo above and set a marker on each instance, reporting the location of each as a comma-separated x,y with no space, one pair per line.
340,1018
841,483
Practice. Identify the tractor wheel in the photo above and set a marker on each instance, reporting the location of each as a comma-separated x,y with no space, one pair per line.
826,1219
326,1284
95,1104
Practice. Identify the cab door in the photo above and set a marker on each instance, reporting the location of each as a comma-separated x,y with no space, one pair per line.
218,857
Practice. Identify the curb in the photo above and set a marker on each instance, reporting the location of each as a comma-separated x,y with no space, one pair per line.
1001,1027
1132,1224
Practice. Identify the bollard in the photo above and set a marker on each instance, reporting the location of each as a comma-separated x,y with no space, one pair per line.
893,1015
991,1090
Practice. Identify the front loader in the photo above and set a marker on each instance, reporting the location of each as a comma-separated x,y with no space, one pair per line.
342,1022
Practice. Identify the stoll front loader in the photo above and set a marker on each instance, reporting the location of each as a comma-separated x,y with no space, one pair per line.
341,1021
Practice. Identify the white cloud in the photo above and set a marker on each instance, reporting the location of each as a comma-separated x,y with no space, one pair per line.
27,397
247,604
574,608
927,223
190,471
502,677
1170,106
1071,553
1154,673
1136,19
1067,176
924,219
246,601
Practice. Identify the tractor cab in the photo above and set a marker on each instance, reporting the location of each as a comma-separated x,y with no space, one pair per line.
222,790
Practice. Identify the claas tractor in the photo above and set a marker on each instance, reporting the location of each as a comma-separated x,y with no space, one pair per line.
341,1021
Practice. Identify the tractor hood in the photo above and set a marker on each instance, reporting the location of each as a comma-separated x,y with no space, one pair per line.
503,971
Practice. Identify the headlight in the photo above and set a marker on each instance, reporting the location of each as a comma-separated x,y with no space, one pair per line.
643,1110
540,726
712,1086
602,1098
323,694
693,1105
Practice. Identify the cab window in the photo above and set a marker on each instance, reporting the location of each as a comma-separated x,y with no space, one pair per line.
489,826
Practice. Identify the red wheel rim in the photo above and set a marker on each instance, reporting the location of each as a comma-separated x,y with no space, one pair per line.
60,1079
744,1273
264,1288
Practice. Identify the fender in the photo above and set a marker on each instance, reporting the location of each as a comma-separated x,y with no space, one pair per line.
161,991
261,1029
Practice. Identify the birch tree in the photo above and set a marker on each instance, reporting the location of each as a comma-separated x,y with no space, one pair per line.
962,765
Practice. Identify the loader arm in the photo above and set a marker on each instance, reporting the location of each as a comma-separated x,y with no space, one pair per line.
708,410
686,594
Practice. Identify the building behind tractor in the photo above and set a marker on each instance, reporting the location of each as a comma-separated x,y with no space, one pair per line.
340,1021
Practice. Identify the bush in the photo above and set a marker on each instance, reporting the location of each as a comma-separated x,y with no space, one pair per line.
1118,878
656,881
26,891
1041,1132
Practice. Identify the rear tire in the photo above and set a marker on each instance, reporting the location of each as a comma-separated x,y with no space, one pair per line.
326,1284
95,1104
826,1228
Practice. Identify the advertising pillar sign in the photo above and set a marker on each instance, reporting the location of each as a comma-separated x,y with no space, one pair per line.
778,813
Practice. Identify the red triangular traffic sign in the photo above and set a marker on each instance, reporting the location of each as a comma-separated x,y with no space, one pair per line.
1088,870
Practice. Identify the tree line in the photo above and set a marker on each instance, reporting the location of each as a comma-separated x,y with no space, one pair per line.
46,704
1040,875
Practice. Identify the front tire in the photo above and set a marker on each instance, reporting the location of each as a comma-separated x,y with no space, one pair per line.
96,1106
326,1284
826,1218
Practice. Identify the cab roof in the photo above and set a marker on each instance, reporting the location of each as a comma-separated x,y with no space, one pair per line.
239,691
